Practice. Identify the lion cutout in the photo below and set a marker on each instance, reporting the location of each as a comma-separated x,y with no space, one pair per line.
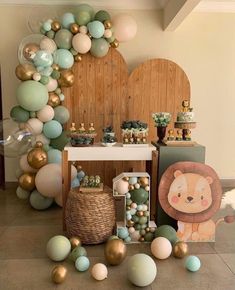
191,193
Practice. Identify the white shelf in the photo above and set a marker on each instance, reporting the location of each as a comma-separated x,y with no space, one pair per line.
118,152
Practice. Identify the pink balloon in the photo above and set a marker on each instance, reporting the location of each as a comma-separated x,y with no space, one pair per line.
125,27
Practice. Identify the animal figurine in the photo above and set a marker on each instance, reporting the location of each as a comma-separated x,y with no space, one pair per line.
179,136
170,136
82,128
185,106
72,128
188,135
192,198
91,128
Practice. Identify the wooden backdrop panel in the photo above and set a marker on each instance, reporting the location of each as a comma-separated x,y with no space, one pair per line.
103,94
157,85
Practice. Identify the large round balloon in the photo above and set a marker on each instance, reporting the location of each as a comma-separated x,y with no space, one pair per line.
48,45
81,43
45,114
39,201
19,114
84,13
139,195
102,15
43,58
96,29
61,114
99,47
42,138
25,71
32,95
63,39
61,141
15,142
52,129
34,125
141,270
49,179
67,19
125,27
54,156
63,58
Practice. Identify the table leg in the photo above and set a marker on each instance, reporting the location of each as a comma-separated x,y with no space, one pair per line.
65,182
153,198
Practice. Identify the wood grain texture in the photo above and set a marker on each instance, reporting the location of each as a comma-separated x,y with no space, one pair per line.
104,94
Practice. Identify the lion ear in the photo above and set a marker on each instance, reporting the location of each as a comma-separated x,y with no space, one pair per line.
209,179
177,173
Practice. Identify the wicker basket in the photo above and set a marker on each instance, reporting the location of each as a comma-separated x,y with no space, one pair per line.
90,216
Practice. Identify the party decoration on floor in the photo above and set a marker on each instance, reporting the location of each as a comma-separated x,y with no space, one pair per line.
46,60
192,263
141,270
191,193
167,232
134,132
161,248
99,272
58,248
58,274
75,242
82,264
135,189
115,251
180,250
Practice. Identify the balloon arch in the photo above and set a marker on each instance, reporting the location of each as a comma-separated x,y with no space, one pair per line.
45,66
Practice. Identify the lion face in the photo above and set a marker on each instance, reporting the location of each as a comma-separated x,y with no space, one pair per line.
190,192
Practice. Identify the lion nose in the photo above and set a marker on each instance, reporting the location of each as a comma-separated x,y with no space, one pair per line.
189,198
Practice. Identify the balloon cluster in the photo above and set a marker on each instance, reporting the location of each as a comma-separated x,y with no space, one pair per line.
46,62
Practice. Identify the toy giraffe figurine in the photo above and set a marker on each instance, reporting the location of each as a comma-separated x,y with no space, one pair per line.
82,128
72,128
91,128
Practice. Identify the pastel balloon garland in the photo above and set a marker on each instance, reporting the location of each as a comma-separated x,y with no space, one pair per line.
45,66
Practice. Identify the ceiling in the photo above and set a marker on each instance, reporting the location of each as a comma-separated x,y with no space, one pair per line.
203,6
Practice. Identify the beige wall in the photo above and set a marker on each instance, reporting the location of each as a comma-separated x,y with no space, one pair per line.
204,46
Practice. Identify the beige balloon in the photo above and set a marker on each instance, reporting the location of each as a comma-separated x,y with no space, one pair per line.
25,71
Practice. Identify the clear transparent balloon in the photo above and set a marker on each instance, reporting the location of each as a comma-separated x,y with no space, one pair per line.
14,142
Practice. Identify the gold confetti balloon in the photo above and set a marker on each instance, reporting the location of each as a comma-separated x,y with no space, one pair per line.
180,250
27,181
115,251
37,157
75,242
53,100
59,274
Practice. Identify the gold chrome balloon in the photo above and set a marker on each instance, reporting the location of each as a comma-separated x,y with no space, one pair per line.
58,274
75,242
130,223
144,181
180,250
25,71
115,43
131,187
78,58
66,78
55,25
27,181
55,66
115,251
30,49
74,28
126,178
107,24
37,157
54,100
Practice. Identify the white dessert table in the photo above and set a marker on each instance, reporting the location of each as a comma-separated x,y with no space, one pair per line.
118,152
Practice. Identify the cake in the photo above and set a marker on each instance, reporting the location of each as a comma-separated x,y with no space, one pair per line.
185,117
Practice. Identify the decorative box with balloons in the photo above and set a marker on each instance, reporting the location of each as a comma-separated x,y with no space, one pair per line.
134,188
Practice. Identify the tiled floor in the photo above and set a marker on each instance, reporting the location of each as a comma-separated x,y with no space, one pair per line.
24,265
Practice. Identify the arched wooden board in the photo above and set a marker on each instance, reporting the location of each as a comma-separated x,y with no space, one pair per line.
103,94
157,85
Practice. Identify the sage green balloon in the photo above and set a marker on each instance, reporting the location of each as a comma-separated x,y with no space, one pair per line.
111,39
84,13
44,80
19,114
102,15
139,195
61,141
61,114
39,201
22,193
52,129
32,95
78,252
63,39
99,47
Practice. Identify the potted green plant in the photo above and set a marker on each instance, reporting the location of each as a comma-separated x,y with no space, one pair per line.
161,120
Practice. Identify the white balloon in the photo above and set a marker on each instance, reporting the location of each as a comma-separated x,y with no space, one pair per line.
34,125
46,114
83,29
81,43
48,179
52,85
48,44
43,139
108,33
59,200
24,165
36,76
125,27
